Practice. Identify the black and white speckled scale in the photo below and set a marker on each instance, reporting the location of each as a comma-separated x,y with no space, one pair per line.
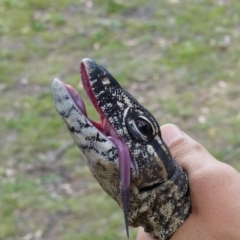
159,193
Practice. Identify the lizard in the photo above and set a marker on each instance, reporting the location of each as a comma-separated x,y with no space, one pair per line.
125,152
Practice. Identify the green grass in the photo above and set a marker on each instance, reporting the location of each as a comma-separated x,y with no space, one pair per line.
180,58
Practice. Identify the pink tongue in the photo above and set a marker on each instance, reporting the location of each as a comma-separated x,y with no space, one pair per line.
124,172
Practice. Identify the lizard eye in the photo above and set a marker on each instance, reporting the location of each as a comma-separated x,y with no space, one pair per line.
144,127
141,128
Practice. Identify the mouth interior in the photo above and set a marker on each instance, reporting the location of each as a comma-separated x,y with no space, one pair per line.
126,161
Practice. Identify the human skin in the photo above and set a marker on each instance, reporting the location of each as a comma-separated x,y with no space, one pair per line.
214,190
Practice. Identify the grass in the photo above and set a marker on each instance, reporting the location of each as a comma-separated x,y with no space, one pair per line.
179,58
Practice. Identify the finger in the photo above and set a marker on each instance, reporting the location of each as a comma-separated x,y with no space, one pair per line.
188,153
142,235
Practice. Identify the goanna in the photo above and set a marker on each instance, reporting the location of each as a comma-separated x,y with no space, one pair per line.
125,152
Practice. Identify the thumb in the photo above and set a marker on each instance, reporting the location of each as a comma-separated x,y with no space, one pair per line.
190,154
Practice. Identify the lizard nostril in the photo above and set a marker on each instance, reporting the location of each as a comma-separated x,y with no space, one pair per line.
104,79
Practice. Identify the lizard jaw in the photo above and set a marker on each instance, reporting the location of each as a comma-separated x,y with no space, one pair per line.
126,162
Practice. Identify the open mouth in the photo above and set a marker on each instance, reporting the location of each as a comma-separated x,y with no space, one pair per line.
103,125
126,162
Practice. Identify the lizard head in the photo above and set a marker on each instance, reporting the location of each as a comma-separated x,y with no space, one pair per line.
125,150
124,118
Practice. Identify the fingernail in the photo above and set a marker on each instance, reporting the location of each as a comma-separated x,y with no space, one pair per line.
171,133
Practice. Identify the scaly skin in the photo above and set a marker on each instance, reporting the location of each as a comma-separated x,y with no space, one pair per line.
125,152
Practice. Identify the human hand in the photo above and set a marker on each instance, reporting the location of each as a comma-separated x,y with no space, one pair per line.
214,190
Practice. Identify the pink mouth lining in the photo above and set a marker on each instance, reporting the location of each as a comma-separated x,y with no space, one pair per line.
126,161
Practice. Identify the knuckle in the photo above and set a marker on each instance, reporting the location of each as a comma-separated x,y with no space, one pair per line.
183,148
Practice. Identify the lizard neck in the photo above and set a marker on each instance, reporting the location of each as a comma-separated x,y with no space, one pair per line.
166,208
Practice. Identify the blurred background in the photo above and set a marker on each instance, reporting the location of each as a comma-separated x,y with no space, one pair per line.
180,59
